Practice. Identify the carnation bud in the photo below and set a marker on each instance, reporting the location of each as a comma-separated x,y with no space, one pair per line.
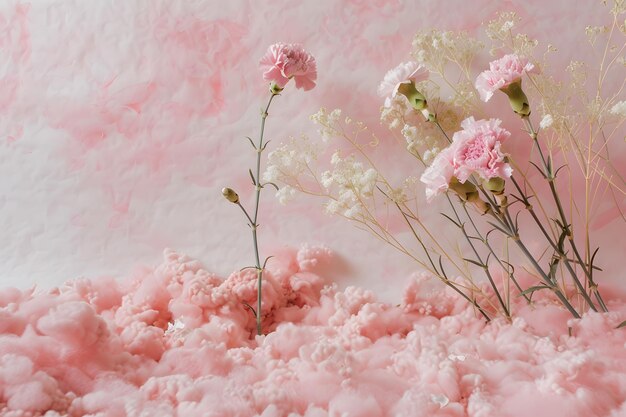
495,185
480,205
468,192
517,98
416,99
230,195
275,88
463,189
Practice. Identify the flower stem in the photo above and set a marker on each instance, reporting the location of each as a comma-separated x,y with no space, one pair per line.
254,221
441,274
483,264
550,177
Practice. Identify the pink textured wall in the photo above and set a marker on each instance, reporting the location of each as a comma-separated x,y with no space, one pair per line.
120,121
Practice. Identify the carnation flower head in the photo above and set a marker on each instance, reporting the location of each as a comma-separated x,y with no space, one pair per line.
406,72
283,62
501,73
477,149
474,150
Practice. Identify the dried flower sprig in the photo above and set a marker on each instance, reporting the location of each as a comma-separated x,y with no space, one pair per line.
280,64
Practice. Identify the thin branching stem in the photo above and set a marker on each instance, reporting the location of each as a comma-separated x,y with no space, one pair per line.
493,253
550,176
441,274
483,264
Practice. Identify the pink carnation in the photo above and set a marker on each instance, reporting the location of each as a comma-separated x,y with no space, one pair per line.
476,149
282,62
405,72
438,175
501,73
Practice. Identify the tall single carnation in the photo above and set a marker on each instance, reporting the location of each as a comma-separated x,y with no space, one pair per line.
501,73
477,149
283,62
403,73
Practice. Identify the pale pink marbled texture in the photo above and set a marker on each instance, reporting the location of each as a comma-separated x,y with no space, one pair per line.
120,121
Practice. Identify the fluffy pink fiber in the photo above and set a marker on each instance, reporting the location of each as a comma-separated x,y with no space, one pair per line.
102,348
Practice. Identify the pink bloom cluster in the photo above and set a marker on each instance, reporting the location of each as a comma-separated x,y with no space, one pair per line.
476,149
283,62
403,73
501,73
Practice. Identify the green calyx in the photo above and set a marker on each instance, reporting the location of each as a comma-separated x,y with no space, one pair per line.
275,89
495,185
416,99
517,98
466,190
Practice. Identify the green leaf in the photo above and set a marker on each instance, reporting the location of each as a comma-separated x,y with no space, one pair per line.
500,229
541,171
251,142
272,184
561,241
443,272
533,289
265,262
252,176
554,264
622,324
250,307
557,171
248,267
475,263
450,218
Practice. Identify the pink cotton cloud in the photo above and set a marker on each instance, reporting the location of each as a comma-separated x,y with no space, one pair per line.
178,341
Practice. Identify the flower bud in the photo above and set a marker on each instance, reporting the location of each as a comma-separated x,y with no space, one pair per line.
230,195
275,89
495,185
416,99
480,205
517,98
464,189
468,192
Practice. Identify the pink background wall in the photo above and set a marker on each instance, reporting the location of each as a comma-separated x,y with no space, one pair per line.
120,121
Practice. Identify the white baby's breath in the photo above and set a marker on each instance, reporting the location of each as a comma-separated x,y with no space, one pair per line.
290,159
327,122
285,194
546,121
351,184
619,109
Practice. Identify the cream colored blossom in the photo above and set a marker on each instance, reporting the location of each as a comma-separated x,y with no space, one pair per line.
351,184
285,194
619,109
546,121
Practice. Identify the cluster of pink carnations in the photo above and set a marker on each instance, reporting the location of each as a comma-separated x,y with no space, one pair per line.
477,148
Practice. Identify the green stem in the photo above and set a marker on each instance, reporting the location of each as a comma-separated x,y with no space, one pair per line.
485,267
545,277
550,177
441,274
254,221
491,250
